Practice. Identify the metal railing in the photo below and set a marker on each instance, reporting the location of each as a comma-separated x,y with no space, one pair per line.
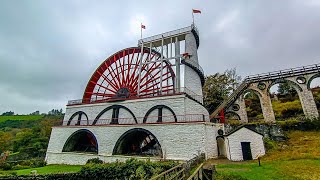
230,99
158,37
175,91
284,73
138,120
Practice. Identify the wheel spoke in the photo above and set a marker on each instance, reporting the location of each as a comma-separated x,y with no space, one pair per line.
122,70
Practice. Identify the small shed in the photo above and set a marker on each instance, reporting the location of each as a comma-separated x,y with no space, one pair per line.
244,144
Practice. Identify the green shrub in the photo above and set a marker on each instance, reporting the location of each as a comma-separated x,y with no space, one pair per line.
94,161
131,169
6,166
270,144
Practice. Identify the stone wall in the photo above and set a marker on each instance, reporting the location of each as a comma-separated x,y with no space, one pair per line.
272,131
178,141
179,104
233,144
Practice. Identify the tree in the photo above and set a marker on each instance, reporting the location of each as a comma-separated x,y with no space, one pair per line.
9,113
5,141
218,86
286,89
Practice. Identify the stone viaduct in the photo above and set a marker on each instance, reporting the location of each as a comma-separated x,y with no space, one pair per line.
299,78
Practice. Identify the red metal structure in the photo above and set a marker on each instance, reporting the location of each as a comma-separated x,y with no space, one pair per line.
130,73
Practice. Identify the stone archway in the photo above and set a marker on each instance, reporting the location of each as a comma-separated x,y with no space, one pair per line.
138,142
82,141
232,114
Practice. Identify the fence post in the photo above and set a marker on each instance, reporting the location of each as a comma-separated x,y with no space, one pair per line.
214,171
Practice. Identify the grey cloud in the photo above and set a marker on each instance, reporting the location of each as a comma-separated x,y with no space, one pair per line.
49,49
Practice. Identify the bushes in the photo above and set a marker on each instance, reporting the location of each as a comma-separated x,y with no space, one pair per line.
94,161
25,164
303,125
131,169
270,144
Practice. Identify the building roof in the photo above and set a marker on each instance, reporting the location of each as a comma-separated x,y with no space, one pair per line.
240,127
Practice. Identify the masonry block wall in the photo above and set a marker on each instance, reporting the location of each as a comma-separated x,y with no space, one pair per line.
191,78
179,104
177,141
233,144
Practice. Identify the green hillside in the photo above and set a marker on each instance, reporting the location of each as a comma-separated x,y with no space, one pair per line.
21,117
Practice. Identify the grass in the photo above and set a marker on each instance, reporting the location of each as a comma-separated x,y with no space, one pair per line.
298,158
20,117
300,145
49,169
290,169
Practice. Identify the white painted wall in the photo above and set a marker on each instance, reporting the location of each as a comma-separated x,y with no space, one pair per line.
180,104
233,144
179,141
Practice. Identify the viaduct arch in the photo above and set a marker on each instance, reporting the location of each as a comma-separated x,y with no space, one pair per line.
299,78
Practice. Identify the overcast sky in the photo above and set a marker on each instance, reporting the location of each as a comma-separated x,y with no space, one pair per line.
49,49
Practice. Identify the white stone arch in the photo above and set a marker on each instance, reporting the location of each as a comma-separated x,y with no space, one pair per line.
310,79
293,84
82,140
265,101
149,143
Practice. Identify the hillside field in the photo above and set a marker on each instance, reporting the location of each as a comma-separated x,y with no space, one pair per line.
21,117
298,158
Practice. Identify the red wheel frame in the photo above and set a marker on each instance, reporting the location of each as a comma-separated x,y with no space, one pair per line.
118,76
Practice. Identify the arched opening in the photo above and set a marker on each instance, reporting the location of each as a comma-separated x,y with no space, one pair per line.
285,100
314,86
138,142
221,147
231,116
253,106
78,118
159,114
115,114
82,141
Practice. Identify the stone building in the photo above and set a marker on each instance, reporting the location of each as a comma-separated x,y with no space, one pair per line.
134,106
241,144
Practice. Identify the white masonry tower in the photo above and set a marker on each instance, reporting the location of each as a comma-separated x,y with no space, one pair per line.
135,105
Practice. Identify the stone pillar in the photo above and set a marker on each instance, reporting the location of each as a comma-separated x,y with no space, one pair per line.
265,100
192,80
306,97
242,109
266,107
307,102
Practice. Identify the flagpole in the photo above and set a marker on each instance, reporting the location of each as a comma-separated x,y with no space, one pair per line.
192,17
141,30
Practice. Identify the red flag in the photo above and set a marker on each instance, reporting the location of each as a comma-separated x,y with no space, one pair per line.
143,26
196,11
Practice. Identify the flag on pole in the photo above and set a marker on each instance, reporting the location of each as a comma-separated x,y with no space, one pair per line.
142,27
196,11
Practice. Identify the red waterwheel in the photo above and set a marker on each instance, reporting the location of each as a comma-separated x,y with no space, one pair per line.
118,76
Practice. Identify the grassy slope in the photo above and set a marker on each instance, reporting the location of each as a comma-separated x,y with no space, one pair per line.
20,117
48,169
299,158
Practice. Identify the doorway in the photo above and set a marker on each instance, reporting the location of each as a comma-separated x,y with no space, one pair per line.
246,151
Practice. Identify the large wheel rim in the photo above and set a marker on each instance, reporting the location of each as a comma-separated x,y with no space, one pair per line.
118,76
